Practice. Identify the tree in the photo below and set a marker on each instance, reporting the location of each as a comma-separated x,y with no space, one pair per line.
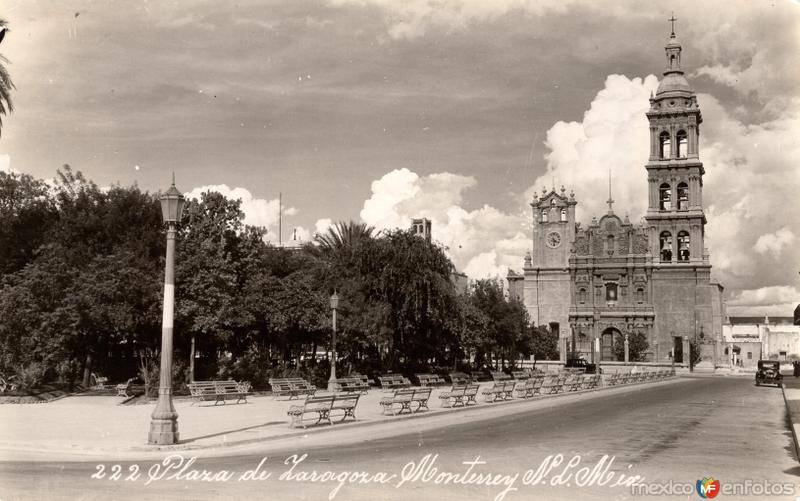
507,322
27,213
637,347
205,271
543,343
90,279
415,284
6,85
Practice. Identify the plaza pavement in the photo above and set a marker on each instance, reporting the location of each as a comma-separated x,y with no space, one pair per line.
87,427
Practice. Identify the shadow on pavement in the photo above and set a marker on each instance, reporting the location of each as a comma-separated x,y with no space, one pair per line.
194,439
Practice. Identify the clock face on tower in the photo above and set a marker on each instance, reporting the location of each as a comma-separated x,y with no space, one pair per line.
553,239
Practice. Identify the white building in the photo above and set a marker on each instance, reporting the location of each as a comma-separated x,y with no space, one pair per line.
748,339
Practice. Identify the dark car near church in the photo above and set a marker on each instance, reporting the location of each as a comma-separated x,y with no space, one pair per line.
769,372
581,363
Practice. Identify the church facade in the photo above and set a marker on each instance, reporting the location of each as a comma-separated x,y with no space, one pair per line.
597,285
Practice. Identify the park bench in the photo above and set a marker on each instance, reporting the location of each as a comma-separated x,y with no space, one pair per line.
521,375
294,387
550,385
529,387
219,391
323,406
460,395
350,385
573,382
613,379
430,380
454,397
404,397
124,388
500,390
361,377
590,381
347,404
392,381
99,381
478,376
500,376
459,378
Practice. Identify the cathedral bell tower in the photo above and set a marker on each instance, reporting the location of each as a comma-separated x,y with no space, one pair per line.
547,281
675,217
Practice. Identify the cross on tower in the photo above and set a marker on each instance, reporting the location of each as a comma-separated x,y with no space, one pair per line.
672,20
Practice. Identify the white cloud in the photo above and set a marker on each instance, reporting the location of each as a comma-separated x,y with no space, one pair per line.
5,164
750,184
775,301
774,242
257,211
613,137
322,225
412,18
482,243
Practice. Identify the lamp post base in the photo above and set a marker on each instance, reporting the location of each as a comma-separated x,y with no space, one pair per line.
163,432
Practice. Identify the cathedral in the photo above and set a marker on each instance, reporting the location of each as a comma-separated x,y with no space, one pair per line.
598,285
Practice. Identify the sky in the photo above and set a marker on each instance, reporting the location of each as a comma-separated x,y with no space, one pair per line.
385,110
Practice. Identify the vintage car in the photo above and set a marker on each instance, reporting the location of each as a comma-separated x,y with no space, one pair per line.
581,363
769,372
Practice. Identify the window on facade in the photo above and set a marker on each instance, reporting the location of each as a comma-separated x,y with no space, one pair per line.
582,296
544,216
749,355
640,295
665,197
563,214
683,196
665,246
682,142
610,244
611,292
683,246
665,149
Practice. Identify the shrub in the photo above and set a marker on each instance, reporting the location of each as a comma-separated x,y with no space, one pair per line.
31,375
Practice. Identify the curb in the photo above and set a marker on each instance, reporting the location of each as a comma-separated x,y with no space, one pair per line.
792,424
386,419
87,453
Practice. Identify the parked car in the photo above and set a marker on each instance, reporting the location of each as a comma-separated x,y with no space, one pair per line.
769,372
577,363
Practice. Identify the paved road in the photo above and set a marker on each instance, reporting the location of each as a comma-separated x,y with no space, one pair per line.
672,435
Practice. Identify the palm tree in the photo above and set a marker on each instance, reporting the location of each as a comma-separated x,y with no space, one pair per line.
342,236
6,85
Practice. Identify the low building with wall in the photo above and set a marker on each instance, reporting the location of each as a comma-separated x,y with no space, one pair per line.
748,339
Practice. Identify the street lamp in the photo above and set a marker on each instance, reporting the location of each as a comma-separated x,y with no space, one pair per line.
164,420
334,305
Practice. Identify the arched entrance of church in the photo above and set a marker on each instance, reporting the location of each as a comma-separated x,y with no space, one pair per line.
607,340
